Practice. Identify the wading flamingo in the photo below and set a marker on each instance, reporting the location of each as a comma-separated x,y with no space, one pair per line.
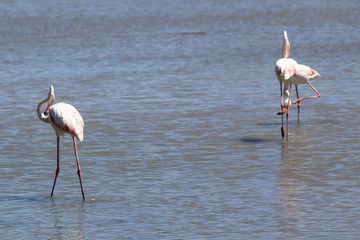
64,118
303,75
285,70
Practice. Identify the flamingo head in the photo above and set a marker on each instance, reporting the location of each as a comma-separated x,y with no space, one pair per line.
50,99
287,103
284,73
289,72
287,75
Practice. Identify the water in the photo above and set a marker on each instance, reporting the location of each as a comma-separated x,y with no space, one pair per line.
182,140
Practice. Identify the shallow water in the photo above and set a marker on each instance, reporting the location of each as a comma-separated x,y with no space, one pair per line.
182,140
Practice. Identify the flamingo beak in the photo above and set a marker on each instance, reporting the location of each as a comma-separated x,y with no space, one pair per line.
46,112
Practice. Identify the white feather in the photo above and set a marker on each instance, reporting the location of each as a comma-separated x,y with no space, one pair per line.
66,119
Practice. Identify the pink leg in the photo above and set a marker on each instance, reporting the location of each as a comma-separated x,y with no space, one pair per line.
58,166
297,95
78,167
287,116
282,106
281,96
317,96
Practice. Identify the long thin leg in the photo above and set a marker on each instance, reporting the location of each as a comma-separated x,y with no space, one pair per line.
317,96
281,96
297,96
58,166
282,126
287,116
282,116
79,169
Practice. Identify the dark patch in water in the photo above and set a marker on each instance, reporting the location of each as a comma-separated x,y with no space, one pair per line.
270,124
276,123
191,33
22,199
253,140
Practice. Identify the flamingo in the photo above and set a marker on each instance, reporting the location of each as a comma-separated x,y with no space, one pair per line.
285,69
64,118
303,75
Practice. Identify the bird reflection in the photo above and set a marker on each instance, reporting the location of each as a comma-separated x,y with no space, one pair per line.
66,229
289,193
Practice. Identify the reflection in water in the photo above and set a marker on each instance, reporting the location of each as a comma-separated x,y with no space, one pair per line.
289,189
65,227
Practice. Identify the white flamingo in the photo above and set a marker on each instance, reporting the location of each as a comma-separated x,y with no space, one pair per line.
64,118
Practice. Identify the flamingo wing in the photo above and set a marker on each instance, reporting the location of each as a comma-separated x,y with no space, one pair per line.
65,117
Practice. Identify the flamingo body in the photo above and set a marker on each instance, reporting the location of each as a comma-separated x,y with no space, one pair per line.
66,119
304,74
285,69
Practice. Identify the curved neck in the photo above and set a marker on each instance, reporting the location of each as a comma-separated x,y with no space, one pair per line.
286,46
44,116
41,115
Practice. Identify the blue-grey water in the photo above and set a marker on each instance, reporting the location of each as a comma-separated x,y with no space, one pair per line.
182,140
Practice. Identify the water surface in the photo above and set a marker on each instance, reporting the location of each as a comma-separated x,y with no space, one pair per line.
182,140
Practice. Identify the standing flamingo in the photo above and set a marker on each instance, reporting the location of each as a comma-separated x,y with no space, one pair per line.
303,75
285,70
64,118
